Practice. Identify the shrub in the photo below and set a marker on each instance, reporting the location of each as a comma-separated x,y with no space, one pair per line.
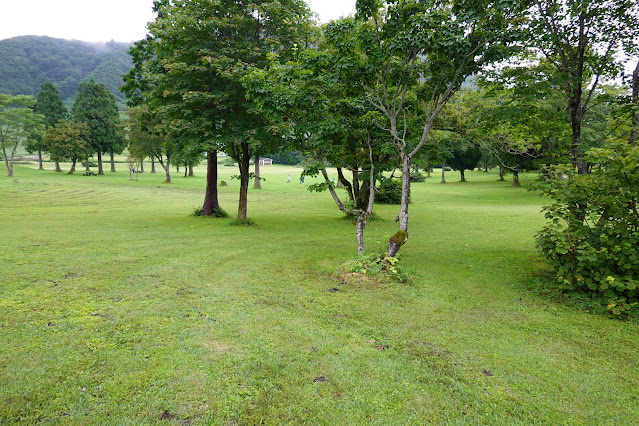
592,235
389,191
417,177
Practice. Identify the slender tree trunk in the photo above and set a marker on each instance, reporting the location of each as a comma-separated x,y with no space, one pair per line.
72,167
6,162
501,173
57,167
257,184
244,181
211,203
635,105
177,168
167,168
142,165
516,178
576,118
152,165
40,160
87,164
443,172
191,172
186,170
402,217
100,170
345,183
112,163
364,215
463,176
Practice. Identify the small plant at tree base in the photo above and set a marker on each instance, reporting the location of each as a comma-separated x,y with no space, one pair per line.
378,267
216,213
242,222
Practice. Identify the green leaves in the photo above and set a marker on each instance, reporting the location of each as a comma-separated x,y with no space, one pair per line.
593,239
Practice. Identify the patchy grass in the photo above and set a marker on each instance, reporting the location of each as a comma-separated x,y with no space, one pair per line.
118,306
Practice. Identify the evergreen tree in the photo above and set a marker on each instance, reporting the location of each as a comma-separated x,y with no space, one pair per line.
95,105
49,104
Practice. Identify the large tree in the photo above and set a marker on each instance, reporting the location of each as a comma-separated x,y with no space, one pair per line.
18,123
582,41
430,47
95,105
66,142
49,104
189,71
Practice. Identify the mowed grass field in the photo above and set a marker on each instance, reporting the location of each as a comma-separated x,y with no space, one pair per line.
119,307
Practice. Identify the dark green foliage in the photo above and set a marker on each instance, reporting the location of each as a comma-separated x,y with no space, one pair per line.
95,105
28,61
592,238
389,191
464,156
290,158
242,222
416,176
216,213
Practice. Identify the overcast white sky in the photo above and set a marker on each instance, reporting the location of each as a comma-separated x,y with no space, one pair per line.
104,20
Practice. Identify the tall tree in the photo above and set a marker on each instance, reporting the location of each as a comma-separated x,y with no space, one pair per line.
95,105
66,142
49,104
17,123
582,42
430,47
190,67
146,140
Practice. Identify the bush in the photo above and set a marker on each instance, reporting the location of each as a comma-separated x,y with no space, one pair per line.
417,177
592,235
389,191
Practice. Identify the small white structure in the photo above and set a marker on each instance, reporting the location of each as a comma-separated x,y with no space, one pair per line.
266,162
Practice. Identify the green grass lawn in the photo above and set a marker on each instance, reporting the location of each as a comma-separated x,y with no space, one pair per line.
118,307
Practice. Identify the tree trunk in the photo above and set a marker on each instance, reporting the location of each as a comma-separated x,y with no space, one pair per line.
443,172
112,163
142,165
6,162
40,160
635,105
186,170
100,170
167,169
87,164
72,167
57,167
576,118
516,179
402,217
244,181
501,173
257,184
152,164
191,172
177,168
463,177
210,195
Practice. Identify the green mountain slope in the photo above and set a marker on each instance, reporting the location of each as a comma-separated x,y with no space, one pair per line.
28,61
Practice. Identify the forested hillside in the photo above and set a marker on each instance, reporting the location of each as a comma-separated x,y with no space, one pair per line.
28,61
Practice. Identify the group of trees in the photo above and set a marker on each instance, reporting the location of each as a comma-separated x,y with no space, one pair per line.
399,85
43,124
